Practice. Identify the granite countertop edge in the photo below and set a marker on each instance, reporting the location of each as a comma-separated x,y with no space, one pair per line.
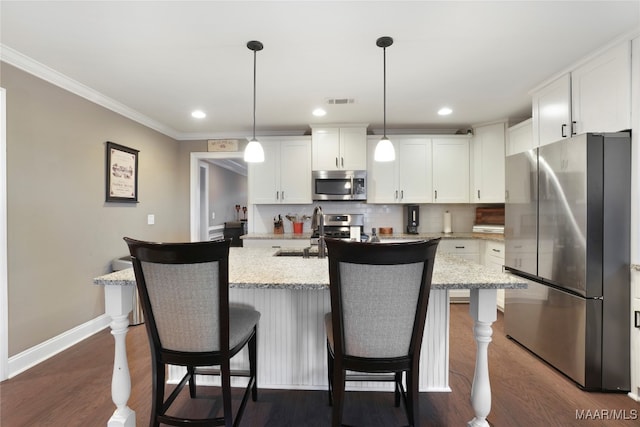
297,273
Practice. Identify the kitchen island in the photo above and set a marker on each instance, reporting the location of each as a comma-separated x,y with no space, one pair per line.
292,295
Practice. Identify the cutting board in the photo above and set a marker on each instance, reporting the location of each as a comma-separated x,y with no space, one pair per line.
490,216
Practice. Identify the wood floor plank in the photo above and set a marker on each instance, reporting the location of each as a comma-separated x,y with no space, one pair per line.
73,389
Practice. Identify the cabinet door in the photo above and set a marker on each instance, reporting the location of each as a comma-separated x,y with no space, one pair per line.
488,164
353,148
414,170
520,138
326,148
264,178
601,92
450,170
295,172
552,112
382,177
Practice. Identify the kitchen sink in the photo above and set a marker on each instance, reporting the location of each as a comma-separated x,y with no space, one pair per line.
302,253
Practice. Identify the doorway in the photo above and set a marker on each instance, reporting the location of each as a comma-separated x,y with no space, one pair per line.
199,196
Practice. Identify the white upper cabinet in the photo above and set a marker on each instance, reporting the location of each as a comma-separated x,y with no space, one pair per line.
594,97
488,163
342,147
285,175
520,138
601,92
450,170
405,180
552,111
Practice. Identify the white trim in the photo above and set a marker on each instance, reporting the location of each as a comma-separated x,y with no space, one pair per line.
31,66
31,357
4,278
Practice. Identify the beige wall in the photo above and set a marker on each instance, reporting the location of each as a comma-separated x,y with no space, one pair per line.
61,233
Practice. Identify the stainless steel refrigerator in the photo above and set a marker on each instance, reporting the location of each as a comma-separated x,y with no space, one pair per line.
567,230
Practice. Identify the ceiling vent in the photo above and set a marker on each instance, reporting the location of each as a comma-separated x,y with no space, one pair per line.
340,101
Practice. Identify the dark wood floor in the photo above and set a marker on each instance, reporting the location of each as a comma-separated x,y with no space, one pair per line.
73,389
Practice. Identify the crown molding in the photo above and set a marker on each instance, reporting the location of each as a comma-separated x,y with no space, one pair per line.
31,66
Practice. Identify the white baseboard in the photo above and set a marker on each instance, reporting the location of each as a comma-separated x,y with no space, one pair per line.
34,355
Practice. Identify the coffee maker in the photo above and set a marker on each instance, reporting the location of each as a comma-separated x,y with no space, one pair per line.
413,218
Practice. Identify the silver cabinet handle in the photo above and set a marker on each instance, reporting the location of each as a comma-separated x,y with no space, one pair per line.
401,194
342,161
396,196
277,195
352,188
496,250
573,128
436,194
562,128
282,192
336,162
478,194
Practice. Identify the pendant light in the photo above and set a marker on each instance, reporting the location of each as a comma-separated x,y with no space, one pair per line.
254,152
384,149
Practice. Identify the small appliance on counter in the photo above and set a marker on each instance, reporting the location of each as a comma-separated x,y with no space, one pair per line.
413,218
338,226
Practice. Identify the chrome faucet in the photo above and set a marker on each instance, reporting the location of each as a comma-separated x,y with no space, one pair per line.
317,223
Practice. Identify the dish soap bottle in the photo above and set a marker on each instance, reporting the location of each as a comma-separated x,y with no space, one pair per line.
374,237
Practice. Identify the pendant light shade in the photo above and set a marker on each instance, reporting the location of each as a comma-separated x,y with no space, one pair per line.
254,153
384,149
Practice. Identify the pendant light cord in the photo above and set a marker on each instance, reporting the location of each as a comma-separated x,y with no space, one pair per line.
254,95
384,91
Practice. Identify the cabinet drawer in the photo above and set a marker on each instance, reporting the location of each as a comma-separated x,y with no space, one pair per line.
459,246
494,249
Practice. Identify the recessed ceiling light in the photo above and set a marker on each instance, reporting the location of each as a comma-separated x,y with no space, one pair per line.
319,112
445,111
198,114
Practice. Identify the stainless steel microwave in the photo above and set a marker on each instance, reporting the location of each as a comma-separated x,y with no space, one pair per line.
339,185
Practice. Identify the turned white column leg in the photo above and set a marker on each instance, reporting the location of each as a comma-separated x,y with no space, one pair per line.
483,311
118,304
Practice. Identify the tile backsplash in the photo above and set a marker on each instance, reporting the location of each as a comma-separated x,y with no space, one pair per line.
375,215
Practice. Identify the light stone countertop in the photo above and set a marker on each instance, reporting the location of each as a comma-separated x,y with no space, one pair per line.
254,268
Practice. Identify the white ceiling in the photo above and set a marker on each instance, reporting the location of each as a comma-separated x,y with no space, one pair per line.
163,59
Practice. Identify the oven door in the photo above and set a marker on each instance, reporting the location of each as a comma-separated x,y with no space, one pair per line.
339,185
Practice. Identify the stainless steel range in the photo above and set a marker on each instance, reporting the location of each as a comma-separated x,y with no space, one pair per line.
337,226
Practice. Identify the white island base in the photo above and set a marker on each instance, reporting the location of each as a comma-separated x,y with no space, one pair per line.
291,337
292,347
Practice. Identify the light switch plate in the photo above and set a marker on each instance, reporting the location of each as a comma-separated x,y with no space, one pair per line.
151,219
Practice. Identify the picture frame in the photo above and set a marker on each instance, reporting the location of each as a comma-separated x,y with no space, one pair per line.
121,173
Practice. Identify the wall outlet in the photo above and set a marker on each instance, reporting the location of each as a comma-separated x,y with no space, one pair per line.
213,215
151,219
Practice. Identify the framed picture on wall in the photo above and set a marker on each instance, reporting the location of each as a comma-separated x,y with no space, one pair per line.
122,173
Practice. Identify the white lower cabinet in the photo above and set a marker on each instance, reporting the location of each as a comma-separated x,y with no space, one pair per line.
464,248
635,335
494,259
